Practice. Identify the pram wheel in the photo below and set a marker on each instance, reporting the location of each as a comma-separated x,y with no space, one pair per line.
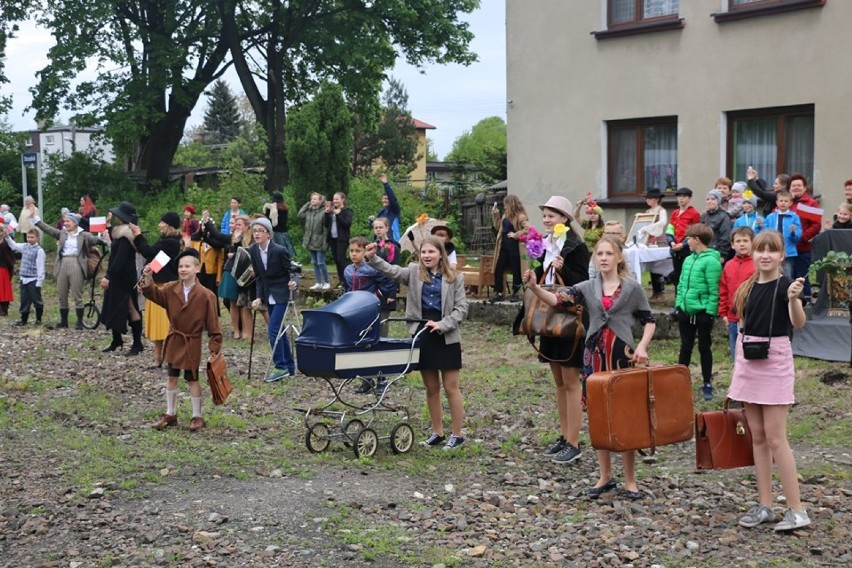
351,429
401,438
316,438
366,443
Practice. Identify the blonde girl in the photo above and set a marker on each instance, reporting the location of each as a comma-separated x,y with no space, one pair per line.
765,386
613,300
315,240
337,221
436,295
507,251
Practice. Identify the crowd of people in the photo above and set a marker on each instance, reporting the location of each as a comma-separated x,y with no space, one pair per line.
730,261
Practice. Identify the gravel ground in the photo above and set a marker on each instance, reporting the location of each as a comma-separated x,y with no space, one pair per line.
496,503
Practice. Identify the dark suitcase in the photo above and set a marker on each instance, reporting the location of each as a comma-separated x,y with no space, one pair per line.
640,407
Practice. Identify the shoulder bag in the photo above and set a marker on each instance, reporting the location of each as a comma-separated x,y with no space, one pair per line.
722,439
538,318
217,378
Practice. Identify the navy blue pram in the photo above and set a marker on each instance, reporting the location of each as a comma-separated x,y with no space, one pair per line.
342,340
339,343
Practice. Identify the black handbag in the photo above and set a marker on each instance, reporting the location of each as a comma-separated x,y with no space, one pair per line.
753,350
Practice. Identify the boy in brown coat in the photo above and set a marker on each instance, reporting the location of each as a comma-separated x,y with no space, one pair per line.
191,309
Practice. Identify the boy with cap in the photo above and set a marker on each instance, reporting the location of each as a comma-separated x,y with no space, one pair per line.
682,217
750,217
271,264
718,220
191,309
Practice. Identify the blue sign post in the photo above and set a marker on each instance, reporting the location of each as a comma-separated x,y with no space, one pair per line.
30,158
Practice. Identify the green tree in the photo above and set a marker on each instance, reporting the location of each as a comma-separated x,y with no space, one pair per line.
395,140
222,117
483,146
155,58
298,43
320,145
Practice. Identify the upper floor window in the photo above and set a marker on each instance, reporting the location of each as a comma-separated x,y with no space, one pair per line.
641,154
772,140
626,12
48,139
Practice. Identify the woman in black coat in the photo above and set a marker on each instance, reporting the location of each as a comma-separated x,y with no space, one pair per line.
337,221
120,298
157,322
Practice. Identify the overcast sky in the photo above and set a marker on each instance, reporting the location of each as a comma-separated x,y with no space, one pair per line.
452,98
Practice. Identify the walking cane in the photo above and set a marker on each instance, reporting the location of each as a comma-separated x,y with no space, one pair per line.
251,343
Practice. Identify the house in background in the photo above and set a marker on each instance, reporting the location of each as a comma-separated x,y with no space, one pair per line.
451,174
418,174
630,94
63,140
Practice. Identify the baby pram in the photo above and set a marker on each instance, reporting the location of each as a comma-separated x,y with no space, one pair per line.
340,343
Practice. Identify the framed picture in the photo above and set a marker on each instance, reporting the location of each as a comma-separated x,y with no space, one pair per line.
639,221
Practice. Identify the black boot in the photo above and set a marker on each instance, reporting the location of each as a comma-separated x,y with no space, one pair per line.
117,342
136,330
79,312
39,311
24,317
63,318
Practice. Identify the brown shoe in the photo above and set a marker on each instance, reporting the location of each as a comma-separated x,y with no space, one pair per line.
164,422
197,423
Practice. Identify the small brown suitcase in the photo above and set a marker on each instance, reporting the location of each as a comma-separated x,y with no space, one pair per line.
640,407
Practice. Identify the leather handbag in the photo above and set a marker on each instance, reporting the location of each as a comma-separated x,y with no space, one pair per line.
639,407
217,378
538,318
722,439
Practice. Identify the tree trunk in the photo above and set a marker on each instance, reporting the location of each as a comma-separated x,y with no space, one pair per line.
159,149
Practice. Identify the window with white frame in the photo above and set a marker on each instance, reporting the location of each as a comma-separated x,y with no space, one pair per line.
48,139
772,140
641,153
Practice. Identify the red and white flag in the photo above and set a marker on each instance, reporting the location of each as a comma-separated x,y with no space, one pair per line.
13,225
159,261
806,212
97,224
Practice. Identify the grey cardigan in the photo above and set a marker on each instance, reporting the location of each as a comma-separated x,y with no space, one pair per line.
453,300
619,318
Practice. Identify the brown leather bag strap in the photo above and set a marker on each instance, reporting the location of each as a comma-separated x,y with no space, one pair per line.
652,411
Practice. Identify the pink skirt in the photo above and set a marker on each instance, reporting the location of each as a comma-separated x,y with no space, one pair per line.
764,381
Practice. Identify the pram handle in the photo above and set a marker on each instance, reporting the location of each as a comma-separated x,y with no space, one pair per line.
406,320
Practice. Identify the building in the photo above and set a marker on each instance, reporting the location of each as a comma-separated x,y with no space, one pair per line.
629,94
418,174
62,141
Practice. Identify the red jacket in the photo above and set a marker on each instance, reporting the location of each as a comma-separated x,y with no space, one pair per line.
680,221
810,228
736,271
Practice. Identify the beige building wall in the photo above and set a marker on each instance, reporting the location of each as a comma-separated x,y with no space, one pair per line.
564,84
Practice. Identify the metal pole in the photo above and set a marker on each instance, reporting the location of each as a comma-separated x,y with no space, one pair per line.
23,181
38,177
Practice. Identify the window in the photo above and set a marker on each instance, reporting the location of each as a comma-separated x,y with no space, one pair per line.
771,140
641,154
740,9
628,12
48,139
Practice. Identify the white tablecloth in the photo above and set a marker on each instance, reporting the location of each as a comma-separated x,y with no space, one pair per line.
641,258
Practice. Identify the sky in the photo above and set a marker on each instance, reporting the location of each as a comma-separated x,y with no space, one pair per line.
452,98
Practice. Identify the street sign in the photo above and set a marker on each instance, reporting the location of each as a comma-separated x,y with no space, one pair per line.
30,158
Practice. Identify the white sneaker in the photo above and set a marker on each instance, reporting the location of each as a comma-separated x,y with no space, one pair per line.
793,520
757,515
326,286
316,286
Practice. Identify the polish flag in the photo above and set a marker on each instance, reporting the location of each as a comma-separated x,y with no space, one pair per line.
806,212
97,224
159,261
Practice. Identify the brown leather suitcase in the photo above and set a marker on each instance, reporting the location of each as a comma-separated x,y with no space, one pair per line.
640,407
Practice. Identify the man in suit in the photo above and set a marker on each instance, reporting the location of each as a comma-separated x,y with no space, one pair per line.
271,264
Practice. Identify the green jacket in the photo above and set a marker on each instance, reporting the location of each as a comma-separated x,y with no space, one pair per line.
698,288
314,238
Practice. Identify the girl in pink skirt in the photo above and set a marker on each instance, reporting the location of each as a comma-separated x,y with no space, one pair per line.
769,307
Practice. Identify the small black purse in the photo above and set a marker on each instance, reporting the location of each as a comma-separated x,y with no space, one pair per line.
760,349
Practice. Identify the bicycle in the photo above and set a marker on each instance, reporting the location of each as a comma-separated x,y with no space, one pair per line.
91,311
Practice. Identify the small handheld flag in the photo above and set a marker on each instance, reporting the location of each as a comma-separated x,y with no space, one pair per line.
159,262
97,224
